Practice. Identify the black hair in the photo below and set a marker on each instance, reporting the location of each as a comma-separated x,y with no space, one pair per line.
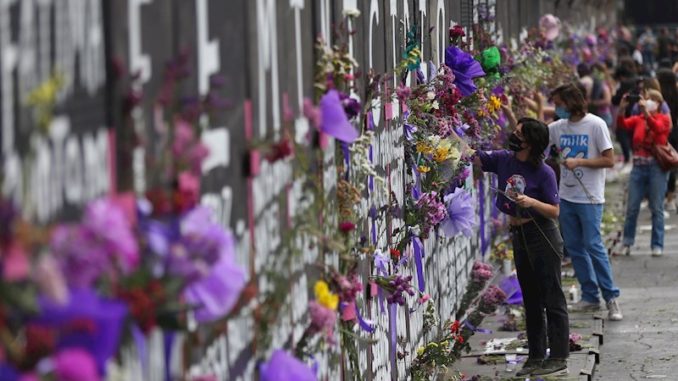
583,70
536,134
668,85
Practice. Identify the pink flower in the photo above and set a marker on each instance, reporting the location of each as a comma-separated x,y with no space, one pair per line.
322,318
75,365
189,190
312,113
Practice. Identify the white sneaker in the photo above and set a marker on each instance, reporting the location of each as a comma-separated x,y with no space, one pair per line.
657,252
614,312
670,206
644,204
627,250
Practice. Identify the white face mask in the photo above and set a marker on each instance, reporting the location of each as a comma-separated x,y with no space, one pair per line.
651,106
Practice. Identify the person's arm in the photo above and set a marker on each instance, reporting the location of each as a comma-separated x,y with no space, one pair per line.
508,112
546,210
658,123
606,100
606,160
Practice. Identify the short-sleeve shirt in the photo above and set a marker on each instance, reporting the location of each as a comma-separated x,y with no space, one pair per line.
538,182
588,139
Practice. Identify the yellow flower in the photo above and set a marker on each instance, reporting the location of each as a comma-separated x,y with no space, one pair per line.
420,350
445,151
494,104
423,169
324,296
425,148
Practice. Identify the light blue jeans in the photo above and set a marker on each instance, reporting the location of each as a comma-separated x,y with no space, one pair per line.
646,180
580,225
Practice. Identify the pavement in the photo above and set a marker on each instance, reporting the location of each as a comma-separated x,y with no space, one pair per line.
643,346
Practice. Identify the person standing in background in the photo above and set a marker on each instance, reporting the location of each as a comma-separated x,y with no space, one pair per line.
647,177
669,88
586,147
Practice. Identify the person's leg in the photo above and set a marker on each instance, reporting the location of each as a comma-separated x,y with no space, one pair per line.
532,299
592,240
657,189
623,139
571,227
546,248
636,192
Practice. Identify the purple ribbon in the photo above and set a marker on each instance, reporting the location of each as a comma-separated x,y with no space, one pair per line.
476,329
481,201
380,262
169,342
364,324
416,190
373,217
392,315
370,126
418,254
409,130
142,350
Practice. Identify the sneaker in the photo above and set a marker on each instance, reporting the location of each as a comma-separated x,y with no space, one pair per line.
552,367
584,306
614,312
627,250
670,206
530,366
657,252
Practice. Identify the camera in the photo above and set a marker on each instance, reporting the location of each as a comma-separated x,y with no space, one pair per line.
633,98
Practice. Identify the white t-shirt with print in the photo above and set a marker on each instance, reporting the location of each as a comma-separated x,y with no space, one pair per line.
587,139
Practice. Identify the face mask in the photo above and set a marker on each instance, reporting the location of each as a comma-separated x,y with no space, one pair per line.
514,143
651,106
562,113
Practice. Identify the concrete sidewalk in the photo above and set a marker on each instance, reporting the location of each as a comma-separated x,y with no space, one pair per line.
645,344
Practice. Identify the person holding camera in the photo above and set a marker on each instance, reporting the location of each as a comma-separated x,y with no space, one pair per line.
649,128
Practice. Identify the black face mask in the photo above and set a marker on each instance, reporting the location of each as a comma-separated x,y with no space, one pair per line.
514,143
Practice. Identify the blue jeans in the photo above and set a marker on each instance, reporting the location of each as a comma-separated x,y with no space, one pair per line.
646,180
580,224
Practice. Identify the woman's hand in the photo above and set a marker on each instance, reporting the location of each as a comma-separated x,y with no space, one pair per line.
624,102
525,201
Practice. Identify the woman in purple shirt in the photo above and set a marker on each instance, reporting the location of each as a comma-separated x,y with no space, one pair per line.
528,193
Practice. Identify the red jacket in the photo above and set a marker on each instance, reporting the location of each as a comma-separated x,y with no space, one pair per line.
646,131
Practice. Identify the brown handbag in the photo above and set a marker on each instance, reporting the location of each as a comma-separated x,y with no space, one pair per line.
666,156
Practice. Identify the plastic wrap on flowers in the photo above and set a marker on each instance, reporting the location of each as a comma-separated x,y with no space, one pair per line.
284,367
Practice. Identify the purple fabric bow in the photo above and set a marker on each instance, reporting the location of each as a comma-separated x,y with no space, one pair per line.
107,316
334,120
284,367
511,288
464,67
460,214
418,255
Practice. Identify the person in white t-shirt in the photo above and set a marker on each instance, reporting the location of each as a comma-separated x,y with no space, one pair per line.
586,150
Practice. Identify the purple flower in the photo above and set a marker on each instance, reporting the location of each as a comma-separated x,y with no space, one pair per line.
491,299
205,257
284,367
322,318
464,67
434,211
351,106
460,214
398,286
107,223
102,242
334,120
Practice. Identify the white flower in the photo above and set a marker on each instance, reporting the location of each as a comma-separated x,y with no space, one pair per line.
430,95
351,12
436,105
